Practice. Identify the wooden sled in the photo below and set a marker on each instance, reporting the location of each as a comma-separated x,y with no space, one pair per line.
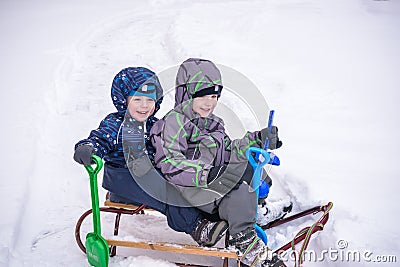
224,253
119,209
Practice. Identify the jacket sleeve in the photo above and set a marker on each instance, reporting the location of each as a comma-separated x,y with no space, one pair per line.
238,147
169,138
104,138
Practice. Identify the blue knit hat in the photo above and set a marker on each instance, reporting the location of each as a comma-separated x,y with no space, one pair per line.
148,89
132,79
140,81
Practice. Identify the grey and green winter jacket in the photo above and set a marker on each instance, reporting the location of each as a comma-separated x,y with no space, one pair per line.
188,146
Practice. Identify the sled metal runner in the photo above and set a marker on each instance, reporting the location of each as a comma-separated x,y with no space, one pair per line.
224,253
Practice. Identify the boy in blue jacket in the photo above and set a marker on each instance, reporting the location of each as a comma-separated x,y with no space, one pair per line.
122,140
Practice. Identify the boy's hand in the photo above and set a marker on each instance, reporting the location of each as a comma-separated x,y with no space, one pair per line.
272,135
141,166
83,154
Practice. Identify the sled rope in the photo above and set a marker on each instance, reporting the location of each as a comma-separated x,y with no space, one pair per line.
308,231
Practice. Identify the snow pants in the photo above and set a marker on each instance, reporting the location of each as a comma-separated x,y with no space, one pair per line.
123,188
238,208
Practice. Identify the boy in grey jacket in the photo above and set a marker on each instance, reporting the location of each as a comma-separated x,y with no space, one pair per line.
209,169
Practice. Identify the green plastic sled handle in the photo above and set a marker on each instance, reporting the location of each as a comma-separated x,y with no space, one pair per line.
94,191
99,164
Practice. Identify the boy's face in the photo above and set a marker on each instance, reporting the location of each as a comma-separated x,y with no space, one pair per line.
140,107
205,105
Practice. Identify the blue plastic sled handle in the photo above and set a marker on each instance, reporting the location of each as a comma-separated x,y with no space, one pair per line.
257,167
273,159
270,121
269,158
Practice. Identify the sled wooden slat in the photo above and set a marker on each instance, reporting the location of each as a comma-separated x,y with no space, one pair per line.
117,205
185,249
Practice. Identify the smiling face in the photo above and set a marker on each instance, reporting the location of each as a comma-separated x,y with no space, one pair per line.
205,105
140,107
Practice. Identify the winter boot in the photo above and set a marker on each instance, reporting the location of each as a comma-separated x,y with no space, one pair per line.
208,233
269,212
250,247
253,252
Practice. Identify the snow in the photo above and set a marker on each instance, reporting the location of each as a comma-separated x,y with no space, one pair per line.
328,68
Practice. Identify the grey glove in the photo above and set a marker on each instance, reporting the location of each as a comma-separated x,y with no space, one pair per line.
272,136
83,154
140,166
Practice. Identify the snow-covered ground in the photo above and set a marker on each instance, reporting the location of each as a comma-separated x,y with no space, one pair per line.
329,69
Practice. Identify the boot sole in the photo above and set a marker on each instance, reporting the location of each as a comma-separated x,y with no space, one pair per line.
218,232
